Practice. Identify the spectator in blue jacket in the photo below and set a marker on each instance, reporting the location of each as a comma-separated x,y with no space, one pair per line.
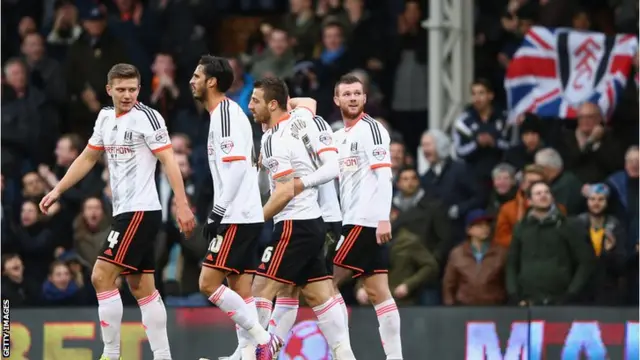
479,132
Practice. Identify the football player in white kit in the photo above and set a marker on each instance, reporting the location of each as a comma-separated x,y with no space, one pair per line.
134,137
295,255
236,220
365,198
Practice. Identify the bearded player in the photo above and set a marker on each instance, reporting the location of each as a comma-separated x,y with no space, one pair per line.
365,199
295,256
134,137
236,220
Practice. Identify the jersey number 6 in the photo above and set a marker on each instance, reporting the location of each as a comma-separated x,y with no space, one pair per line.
266,255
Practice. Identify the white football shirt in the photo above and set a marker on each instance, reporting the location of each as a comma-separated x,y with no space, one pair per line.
230,140
130,141
322,140
362,148
285,150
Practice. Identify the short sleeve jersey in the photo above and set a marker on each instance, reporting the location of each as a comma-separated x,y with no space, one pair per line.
286,149
322,141
231,139
362,148
130,141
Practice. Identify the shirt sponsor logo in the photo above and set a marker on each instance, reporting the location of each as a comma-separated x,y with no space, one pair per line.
349,164
326,139
226,146
379,153
119,152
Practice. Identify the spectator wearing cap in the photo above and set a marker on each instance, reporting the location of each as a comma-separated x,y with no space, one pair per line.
88,61
479,133
608,239
475,270
531,135
513,211
504,187
566,187
550,260
590,152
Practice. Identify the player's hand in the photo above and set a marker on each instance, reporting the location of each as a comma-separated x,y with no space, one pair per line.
383,232
298,186
49,200
186,220
401,291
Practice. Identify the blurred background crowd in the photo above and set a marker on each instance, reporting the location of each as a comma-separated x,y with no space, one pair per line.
539,212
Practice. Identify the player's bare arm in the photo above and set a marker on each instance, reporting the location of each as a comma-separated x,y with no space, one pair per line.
184,215
305,102
280,197
385,192
78,170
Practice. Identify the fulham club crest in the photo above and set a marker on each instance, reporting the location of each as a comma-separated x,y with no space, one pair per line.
379,153
226,146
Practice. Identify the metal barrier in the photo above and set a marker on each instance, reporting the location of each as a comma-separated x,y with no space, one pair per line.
441,333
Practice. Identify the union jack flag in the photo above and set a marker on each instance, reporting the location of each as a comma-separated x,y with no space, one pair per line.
556,70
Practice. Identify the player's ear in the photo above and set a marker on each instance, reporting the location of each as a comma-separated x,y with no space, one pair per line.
109,89
212,82
365,98
335,101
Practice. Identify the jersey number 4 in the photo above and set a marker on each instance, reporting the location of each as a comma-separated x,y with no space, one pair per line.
113,238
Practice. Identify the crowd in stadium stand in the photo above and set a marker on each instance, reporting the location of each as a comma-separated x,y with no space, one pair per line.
536,212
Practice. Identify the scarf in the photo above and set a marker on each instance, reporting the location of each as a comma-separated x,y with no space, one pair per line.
328,57
52,293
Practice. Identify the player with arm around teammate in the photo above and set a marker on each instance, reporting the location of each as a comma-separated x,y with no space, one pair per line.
365,199
134,137
321,148
295,255
236,219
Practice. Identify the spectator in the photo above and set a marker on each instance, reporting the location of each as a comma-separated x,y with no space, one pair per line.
59,289
19,289
398,155
33,187
608,239
412,266
580,20
531,135
242,86
191,252
566,187
475,271
278,60
67,150
591,152
45,73
65,30
90,229
88,60
624,197
35,241
504,187
27,112
479,133
165,90
409,191
303,26
410,76
449,180
550,261
514,210
164,188
333,62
